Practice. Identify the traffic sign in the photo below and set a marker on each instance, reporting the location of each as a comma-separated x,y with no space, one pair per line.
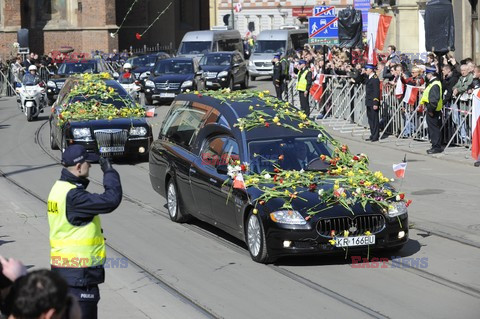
324,11
323,27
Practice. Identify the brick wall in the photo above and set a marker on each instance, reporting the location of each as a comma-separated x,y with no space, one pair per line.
11,13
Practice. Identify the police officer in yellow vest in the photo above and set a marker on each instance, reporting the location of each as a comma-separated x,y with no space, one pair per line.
432,100
76,236
304,82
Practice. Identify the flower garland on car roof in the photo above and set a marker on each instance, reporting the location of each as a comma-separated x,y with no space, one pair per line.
353,183
94,90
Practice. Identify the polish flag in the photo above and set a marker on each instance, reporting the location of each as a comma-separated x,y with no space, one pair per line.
411,95
150,112
476,124
238,7
399,169
399,88
238,182
329,57
378,25
316,90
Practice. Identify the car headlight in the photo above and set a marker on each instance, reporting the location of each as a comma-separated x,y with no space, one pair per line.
187,84
51,84
222,74
251,63
138,131
397,209
81,132
149,83
291,217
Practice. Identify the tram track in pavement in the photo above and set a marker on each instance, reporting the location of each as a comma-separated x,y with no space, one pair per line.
474,292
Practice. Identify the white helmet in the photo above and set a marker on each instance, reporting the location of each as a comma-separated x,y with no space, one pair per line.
127,66
32,68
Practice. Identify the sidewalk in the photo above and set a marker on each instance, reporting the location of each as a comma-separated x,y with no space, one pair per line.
127,292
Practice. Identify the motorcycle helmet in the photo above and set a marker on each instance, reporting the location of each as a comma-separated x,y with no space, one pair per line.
127,66
32,68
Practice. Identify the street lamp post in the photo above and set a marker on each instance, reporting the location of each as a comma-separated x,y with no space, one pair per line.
233,17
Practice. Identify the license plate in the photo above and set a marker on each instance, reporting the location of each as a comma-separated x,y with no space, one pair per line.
111,149
354,241
210,83
167,94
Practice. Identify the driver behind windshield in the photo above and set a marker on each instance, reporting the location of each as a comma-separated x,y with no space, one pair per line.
127,76
303,154
31,78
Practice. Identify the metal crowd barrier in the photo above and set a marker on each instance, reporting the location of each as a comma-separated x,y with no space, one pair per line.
342,107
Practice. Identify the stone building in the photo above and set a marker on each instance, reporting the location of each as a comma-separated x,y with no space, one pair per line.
86,25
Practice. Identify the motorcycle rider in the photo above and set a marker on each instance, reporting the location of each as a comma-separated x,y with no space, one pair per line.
31,78
127,76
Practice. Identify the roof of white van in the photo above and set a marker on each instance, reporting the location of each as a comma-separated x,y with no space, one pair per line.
207,35
278,34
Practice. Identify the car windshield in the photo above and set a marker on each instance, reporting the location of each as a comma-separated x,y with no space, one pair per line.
174,67
270,46
142,61
199,47
297,153
216,59
80,67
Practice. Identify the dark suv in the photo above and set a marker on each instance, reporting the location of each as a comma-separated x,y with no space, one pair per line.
67,68
224,69
142,65
170,77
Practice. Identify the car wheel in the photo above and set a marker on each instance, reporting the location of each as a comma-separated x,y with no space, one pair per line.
256,241
231,84
245,82
50,102
63,144
53,143
149,100
252,78
173,206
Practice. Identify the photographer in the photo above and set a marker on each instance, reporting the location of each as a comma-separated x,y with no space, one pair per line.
76,237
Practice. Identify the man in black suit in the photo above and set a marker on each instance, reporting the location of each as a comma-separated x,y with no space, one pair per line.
372,101
277,76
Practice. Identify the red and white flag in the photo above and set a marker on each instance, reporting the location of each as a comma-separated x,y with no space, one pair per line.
411,94
316,90
400,169
238,182
476,125
399,88
150,112
378,25
238,7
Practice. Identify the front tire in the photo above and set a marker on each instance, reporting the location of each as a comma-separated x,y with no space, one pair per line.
256,241
149,100
173,206
252,78
53,143
231,85
245,82
28,113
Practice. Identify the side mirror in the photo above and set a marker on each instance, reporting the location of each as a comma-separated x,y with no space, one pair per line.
199,73
222,169
236,65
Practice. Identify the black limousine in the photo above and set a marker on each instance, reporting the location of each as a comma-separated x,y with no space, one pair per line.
299,197
119,129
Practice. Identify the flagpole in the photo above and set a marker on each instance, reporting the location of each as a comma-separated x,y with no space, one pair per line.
233,17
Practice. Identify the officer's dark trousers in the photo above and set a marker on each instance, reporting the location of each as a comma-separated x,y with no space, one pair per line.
279,90
88,298
373,122
434,125
304,102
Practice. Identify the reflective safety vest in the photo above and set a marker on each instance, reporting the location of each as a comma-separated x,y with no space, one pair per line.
302,81
426,94
72,246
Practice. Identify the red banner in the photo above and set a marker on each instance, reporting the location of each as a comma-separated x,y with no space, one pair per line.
302,12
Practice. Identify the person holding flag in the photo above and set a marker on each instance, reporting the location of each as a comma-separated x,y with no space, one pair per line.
432,100
372,102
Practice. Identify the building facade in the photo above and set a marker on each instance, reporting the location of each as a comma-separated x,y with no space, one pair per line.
86,25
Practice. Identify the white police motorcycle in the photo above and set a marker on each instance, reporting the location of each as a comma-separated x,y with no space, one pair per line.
130,85
31,98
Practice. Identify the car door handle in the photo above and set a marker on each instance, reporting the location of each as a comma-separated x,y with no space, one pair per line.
192,170
213,180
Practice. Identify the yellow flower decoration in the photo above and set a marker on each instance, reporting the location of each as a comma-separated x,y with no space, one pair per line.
332,242
368,233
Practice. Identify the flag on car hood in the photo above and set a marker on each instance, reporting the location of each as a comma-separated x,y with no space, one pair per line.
400,169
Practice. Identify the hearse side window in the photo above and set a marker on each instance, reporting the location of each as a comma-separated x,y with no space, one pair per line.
212,151
182,123
230,152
